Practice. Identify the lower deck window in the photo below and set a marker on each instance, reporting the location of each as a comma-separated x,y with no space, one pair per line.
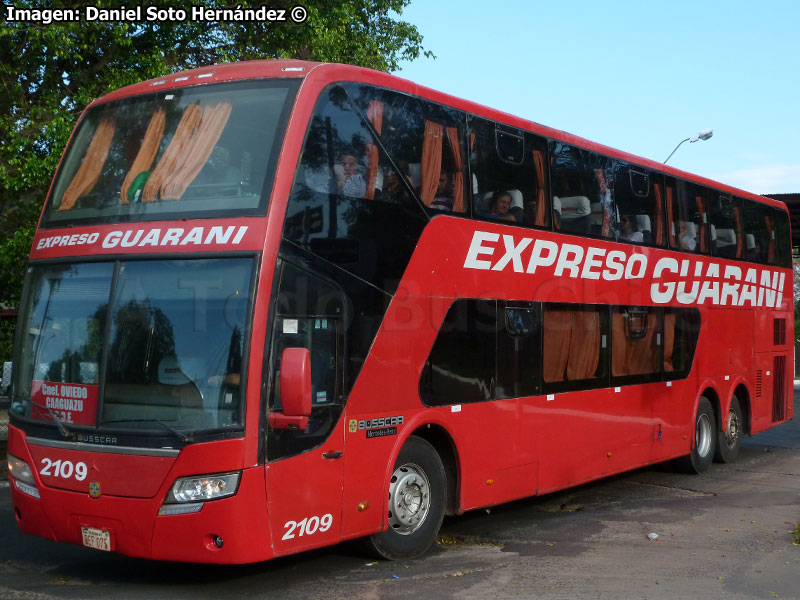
495,349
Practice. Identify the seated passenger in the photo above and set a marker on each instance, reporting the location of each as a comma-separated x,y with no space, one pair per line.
349,182
500,208
444,193
394,190
576,213
629,231
643,225
686,236
726,243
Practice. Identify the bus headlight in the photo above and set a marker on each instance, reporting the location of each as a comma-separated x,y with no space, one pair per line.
22,476
203,487
20,470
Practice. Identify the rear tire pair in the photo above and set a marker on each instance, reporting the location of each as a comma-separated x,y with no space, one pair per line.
710,442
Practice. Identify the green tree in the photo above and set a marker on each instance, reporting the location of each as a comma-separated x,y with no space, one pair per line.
49,73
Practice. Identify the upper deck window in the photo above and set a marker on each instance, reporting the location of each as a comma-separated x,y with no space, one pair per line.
205,149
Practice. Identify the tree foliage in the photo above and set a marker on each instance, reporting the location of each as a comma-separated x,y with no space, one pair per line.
49,73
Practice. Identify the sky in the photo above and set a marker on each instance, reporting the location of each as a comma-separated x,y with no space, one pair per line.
636,76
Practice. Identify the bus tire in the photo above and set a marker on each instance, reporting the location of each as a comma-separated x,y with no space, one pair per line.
705,430
416,503
730,441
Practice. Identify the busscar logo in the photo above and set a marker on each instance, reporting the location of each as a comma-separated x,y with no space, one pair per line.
380,422
376,428
87,438
380,427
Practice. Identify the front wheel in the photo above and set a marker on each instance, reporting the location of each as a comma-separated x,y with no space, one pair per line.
730,441
416,502
705,436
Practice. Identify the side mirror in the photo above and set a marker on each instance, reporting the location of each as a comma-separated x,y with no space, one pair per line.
295,390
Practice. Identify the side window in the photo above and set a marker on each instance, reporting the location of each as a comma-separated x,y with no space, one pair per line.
582,197
508,174
576,339
343,207
783,241
760,235
686,216
426,142
461,364
681,330
726,228
518,350
635,344
638,196
310,313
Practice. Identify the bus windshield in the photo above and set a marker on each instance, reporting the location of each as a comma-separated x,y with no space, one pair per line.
206,149
134,345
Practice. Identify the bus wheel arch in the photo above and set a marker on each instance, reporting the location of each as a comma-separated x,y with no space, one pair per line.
743,395
704,431
416,502
442,441
712,396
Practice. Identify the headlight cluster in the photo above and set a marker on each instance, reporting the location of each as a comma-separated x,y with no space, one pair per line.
190,492
22,475
204,487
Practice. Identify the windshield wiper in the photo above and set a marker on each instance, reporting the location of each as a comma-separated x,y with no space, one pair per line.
62,429
182,436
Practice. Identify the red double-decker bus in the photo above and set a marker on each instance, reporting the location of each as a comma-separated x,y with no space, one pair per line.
275,305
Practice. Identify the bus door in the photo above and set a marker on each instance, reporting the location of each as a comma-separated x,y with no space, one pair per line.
304,469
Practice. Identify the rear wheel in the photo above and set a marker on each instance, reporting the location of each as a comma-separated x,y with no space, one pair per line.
730,441
704,440
416,502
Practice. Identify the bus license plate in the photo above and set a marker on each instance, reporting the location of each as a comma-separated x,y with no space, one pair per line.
96,538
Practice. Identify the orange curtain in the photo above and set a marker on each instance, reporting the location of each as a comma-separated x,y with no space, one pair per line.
669,340
431,161
659,229
199,149
737,212
183,133
642,354
458,188
147,152
702,212
557,329
92,164
584,345
670,221
619,345
541,209
375,116
770,241
633,356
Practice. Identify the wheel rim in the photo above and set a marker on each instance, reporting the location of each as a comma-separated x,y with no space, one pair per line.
703,435
733,432
409,499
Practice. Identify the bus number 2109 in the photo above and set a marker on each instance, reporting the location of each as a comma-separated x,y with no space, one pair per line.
308,526
64,468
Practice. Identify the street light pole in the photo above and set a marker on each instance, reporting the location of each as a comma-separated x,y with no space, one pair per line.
703,135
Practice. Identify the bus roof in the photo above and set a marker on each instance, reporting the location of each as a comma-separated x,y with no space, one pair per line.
324,73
